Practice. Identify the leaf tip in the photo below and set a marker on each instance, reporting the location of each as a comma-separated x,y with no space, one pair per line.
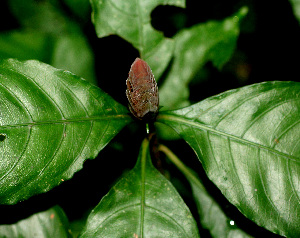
242,12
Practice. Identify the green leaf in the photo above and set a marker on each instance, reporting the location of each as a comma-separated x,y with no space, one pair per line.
296,8
248,142
212,216
142,204
50,36
131,21
73,53
50,223
81,8
51,121
212,41
65,51
44,16
210,213
24,45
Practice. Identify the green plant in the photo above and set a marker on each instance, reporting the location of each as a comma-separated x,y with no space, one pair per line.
51,121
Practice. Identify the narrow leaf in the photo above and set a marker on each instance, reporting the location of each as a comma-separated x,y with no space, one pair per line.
142,204
51,121
131,21
50,223
212,41
248,142
211,215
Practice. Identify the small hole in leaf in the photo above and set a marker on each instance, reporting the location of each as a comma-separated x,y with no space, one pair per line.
168,19
2,137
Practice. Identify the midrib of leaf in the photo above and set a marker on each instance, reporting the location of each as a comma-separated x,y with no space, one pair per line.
66,121
230,136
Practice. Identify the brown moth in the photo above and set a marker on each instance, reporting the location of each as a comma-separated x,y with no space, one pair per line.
142,91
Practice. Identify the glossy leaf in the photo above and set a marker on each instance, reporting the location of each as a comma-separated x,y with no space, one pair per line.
142,204
51,121
50,223
131,21
211,215
212,41
248,142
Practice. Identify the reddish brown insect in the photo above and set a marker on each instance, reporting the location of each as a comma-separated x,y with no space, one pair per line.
142,91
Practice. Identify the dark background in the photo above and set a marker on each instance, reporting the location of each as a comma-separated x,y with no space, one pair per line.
267,50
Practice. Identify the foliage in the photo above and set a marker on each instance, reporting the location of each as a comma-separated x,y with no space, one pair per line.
52,121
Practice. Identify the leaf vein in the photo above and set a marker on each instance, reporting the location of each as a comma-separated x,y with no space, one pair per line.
276,128
74,95
263,184
211,150
19,159
21,103
131,15
265,112
83,146
286,130
235,168
76,120
291,182
232,137
247,99
41,89
170,218
34,180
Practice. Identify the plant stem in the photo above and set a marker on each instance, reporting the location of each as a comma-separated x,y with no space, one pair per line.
145,148
190,174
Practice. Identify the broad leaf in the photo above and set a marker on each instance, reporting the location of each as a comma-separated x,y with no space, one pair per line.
73,53
212,41
211,215
65,51
44,16
142,204
131,21
248,142
50,223
51,121
24,45
49,36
